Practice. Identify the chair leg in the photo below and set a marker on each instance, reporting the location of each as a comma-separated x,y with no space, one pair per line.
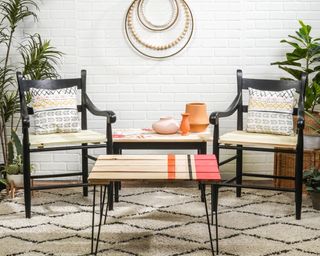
239,171
85,170
116,191
110,196
298,184
27,182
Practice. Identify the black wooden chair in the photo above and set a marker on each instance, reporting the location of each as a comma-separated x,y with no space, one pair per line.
83,140
241,140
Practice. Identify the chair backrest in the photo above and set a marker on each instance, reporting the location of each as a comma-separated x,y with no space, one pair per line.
25,85
267,85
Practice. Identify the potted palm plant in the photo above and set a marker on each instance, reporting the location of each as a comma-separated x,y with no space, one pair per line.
38,61
311,179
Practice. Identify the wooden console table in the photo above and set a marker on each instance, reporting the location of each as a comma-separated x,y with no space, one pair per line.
167,168
147,139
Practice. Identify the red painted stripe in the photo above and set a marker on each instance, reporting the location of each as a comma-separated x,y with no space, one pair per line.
206,167
171,167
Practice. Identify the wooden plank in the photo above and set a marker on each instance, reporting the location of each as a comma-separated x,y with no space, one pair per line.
258,139
94,178
140,135
151,163
132,157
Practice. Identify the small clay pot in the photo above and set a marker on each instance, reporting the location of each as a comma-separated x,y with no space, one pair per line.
185,124
166,125
199,119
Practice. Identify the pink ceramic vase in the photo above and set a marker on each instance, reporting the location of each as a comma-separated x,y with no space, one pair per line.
166,125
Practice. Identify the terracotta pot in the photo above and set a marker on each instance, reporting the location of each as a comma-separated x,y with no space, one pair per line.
166,125
199,119
185,124
17,179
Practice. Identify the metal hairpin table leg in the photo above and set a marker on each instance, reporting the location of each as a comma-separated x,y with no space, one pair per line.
93,209
100,218
208,222
214,208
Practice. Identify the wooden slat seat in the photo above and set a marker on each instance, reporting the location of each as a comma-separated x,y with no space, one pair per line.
258,139
84,136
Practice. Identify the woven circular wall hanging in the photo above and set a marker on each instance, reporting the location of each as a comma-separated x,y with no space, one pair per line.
159,39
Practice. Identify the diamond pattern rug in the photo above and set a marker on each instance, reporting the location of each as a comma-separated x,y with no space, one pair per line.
160,221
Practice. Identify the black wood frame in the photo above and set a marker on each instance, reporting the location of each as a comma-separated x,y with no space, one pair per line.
86,104
238,107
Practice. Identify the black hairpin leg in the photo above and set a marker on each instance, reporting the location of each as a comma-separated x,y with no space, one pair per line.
208,222
107,207
203,191
214,208
93,213
100,218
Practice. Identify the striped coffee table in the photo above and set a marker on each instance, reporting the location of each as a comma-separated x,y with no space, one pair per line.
167,168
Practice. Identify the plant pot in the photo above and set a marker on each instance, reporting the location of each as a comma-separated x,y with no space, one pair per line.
198,118
315,197
311,142
17,179
166,125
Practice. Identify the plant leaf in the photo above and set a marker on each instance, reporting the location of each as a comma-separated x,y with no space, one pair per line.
294,72
287,62
17,142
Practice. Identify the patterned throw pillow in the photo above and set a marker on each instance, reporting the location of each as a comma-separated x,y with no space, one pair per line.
55,111
271,111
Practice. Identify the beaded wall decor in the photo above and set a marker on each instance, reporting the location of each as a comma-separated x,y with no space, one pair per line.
159,40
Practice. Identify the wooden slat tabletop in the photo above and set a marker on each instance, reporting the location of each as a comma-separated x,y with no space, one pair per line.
154,167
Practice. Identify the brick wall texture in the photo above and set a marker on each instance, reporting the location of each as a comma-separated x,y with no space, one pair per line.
228,35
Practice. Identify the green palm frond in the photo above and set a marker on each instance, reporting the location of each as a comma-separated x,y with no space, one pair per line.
15,11
39,58
10,104
6,79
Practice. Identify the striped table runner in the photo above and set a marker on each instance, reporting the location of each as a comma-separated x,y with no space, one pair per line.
154,167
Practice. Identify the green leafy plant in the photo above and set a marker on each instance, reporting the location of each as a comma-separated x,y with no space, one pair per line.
311,179
305,57
38,61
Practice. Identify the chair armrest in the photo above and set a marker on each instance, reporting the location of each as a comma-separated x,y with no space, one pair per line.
300,122
110,115
228,112
24,114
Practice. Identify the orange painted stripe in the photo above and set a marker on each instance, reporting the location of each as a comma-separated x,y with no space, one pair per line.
171,167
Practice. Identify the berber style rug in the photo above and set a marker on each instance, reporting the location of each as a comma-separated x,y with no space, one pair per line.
159,221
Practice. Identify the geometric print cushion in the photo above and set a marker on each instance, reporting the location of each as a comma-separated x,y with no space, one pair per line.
271,111
55,111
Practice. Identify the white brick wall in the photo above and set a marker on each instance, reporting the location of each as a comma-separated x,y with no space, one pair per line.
228,35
